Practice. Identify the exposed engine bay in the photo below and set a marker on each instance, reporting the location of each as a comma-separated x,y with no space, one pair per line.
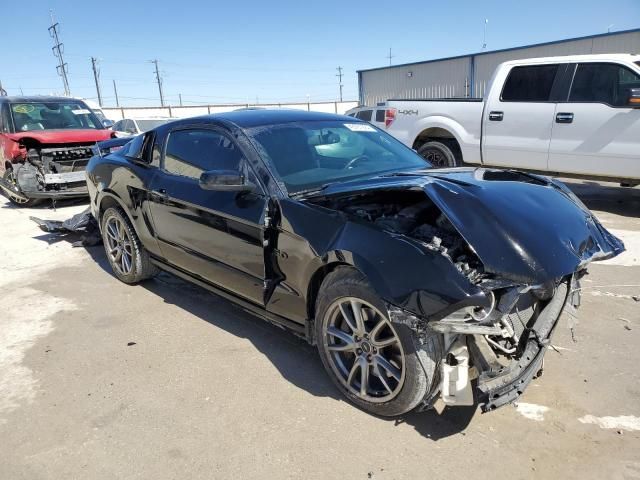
53,168
415,216
499,347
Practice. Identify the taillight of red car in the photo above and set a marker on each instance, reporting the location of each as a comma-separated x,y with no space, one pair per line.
389,116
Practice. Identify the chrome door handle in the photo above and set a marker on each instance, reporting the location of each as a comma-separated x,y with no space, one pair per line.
160,194
564,117
496,116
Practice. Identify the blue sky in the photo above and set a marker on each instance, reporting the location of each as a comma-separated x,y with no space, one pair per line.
270,51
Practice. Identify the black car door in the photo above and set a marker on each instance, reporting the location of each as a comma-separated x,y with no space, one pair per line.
214,235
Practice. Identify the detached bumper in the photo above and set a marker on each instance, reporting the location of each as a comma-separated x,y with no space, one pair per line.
77,192
504,386
60,185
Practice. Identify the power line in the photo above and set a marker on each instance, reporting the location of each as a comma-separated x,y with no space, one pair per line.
57,49
96,77
159,80
339,75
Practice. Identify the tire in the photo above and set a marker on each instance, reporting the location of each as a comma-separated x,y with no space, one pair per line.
17,199
388,398
438,154
127,256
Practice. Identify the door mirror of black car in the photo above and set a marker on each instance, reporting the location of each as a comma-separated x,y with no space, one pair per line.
634,98
225,181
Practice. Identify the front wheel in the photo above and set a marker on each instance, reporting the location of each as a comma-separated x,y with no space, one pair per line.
371,360
128,258
13,192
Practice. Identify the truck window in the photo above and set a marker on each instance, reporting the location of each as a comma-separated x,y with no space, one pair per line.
379,115
364,115
603,83
529,83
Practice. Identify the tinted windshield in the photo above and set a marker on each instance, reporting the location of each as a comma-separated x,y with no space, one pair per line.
145,125
307,155
53,115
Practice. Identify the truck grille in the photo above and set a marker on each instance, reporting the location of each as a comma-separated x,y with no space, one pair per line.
66,159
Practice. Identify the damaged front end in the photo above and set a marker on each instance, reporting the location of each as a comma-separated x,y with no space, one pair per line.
519,259
503,347
49,171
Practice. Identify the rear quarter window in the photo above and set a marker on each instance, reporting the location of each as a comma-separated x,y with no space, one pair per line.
379,115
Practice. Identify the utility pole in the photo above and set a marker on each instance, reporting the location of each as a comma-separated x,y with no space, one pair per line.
180,96
3,92
484,37
339,75
96,77
390,56
115,90
58,49
159,80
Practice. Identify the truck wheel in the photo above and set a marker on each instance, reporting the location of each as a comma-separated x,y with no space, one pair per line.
438,154
14,194
127,256
374,363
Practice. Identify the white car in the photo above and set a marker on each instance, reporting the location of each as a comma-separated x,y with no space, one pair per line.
135,126
575,116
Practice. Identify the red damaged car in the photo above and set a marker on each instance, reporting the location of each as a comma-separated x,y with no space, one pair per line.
45,144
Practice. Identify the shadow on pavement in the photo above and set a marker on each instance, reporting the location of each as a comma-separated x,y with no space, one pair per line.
607,197
295,359
46,204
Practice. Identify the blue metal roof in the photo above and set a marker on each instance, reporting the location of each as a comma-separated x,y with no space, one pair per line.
555,42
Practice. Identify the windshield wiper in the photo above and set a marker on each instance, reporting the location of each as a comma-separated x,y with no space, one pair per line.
406,173
311,191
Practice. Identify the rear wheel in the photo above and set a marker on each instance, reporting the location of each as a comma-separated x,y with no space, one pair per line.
438,154
371,360
129,259
13,192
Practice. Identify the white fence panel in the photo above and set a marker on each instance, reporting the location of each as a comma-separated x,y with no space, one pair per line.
116,114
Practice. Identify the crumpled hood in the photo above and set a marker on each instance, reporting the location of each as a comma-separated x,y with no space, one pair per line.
63,136
523,227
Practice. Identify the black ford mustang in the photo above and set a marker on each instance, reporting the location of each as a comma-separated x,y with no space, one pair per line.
411,281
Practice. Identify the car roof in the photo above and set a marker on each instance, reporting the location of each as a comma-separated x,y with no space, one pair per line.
258,118
150,118
599,57
38,99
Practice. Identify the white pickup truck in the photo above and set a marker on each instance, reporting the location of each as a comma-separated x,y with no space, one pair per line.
565,116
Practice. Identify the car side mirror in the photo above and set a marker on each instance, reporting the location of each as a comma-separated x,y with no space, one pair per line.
106,123
634,98
225,181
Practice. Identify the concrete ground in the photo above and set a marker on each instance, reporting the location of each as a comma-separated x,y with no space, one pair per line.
100,380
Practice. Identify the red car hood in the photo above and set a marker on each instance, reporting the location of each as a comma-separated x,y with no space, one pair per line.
63,136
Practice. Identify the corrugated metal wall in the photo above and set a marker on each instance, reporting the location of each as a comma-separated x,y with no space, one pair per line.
452,77
447,78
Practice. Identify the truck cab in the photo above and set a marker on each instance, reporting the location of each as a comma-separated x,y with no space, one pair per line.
566,116
575,115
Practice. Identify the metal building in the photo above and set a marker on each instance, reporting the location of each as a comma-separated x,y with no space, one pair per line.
468,75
